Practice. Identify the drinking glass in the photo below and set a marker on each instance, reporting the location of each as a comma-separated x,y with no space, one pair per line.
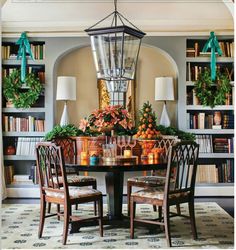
120,143
131,143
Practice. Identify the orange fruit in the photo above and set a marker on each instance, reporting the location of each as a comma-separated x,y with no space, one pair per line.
150,120
144,126
144,120
149,136
147,109
140,127
145,114
150,125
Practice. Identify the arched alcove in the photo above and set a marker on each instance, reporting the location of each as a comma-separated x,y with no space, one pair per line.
153,62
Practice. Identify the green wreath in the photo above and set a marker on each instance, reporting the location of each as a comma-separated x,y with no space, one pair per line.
212,93
12,89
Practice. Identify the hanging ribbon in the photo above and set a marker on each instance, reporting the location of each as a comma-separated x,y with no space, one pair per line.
24,47
213,44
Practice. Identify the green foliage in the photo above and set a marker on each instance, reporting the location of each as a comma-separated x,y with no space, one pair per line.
212,93
21,98
176,132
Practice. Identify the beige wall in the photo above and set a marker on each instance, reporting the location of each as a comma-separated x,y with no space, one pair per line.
79,63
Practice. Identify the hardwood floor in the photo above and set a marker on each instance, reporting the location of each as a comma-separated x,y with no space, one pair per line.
227,203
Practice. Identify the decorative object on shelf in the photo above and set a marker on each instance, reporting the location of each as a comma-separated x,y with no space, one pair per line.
10,150
24,48
66,91
110,118
164,91
19,96
147,123
212,93
115,49
213,44
217,118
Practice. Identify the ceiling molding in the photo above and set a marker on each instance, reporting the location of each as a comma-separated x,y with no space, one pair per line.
120,1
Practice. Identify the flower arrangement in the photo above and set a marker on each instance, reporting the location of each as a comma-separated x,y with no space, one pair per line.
109,118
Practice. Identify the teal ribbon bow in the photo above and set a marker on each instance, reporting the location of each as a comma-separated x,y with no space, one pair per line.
213,44
24,47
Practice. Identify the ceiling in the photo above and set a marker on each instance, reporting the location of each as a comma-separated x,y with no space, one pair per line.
155,17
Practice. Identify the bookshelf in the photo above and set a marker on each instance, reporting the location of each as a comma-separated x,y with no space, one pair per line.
23,128
216,157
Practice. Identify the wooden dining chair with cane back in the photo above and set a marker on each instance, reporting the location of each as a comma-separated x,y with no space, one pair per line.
69,150
157,177
54,188
179,188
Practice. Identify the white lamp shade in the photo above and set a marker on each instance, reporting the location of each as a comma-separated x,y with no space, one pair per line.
164,89
66,88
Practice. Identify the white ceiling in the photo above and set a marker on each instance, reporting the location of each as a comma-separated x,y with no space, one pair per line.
155,17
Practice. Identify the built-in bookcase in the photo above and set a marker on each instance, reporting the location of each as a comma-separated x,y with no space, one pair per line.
23,128
216,174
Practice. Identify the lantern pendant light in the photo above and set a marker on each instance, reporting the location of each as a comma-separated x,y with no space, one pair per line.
115,50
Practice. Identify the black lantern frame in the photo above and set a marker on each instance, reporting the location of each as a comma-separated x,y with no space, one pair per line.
115,50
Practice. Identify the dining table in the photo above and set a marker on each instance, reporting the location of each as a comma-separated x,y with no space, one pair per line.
114,178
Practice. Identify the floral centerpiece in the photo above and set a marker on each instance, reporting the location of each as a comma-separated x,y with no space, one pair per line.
109,118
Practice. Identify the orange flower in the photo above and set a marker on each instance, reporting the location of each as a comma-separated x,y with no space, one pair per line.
83,124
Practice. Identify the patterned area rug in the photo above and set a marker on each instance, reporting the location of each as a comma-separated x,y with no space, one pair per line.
20,228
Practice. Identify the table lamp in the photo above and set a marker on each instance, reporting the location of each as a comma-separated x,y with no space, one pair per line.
164,91
66,91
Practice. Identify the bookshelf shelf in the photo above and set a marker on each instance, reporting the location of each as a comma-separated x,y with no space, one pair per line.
207,59
18,62
19,157
30,110
191,83
211,131
216,155
200,107
23,134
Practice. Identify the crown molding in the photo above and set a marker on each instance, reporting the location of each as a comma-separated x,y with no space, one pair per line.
120,1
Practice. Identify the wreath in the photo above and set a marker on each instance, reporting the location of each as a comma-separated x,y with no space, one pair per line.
21,97
212,93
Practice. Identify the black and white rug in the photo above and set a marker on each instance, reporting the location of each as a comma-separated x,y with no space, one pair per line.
20,229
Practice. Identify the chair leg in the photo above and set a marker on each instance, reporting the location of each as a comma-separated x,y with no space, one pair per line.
76,206
49,208
67,212
160,213
42,216
154,208
132,216
95,203
129,190
178,209
100,213
192,219
58,211
167,224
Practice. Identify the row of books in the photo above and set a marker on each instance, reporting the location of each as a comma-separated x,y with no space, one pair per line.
223,145
10,52
193,71
21,179
222,173
22,124
227,48
210,144
201,120
26,145
192,99
31,69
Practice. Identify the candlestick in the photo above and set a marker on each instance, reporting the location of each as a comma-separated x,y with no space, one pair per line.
150,156
127,153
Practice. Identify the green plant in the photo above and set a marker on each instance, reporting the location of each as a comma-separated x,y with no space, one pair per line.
21,97
176,132
211,93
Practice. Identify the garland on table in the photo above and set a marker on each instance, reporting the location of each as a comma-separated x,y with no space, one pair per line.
212,93
12,89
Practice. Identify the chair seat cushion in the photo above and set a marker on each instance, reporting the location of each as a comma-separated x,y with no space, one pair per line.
75,193
75,178
157,193
152,180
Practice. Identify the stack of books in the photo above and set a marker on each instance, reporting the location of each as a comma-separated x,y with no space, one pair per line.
228,121
223,145
26,145
207,174
226,171
205,143
9,173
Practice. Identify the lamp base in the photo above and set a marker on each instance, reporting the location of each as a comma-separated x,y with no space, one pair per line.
65,117
165,120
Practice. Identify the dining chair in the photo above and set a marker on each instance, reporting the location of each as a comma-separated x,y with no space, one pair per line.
157,177
54,188
179,188
69,150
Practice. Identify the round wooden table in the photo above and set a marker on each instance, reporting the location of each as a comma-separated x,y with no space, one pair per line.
114,178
